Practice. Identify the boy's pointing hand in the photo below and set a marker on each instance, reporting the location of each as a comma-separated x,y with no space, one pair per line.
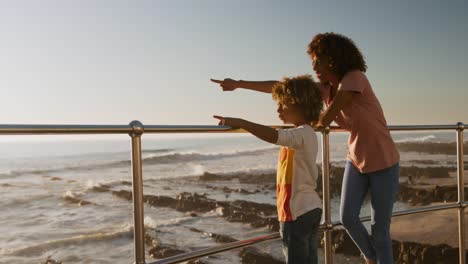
229,121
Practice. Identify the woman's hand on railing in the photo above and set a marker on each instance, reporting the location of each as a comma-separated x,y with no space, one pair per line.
317,125
227,84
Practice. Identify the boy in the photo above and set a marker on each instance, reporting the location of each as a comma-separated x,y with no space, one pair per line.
298,204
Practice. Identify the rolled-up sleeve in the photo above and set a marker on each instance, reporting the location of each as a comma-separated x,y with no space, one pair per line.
292,138
353,81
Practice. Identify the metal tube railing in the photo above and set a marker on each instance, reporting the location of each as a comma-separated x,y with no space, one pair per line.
137,194
217,249
135,129
461,195
326,196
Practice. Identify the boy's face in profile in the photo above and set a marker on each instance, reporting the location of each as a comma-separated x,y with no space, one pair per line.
290,114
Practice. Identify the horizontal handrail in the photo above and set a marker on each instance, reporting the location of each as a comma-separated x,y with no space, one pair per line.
217,249
255,240
135,129
11,129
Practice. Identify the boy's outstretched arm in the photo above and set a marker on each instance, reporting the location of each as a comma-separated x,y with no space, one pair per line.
264,133
231,85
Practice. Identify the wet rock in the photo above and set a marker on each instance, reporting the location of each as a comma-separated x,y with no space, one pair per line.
49,260
249,212
194,202
128,183
251,255
260,179
101,188
158,251
237,211
335,180
410,252
428,195
426,162
193,214
75,200
160,201
123,194
342,243
403,252
449,148
430,172
210,177
217,237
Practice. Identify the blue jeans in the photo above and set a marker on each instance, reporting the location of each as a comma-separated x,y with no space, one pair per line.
383,187
300,238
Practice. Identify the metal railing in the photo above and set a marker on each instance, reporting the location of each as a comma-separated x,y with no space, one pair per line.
136,129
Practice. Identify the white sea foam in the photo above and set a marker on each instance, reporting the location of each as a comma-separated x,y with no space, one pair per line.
198,170
151,223
71,194
428,138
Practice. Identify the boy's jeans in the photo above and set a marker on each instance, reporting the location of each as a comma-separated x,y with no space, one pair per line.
383,187
300,238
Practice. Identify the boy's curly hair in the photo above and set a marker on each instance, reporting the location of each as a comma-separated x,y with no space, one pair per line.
341,52
301,91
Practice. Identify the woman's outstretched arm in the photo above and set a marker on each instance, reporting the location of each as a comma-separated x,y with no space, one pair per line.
231,85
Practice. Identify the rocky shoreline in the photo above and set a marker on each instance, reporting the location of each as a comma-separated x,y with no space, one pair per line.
261,215
449,148
256,215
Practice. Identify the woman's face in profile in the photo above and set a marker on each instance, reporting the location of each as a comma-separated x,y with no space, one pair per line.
322,69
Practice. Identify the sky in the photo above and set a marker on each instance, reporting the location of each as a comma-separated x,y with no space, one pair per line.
111,62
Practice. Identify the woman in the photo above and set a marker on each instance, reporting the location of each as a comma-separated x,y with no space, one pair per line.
372,164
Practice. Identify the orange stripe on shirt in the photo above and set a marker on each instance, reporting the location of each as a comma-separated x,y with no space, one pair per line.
284,175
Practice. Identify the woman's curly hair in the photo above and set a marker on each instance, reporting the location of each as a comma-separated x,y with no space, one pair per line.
342,54
301,91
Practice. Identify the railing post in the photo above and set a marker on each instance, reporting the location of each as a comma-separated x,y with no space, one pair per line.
138,213
326,196
461,195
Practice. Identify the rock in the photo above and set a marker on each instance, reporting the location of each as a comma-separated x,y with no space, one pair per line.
49,260
342,243
75,200
209,177
251,255
403,252
431,147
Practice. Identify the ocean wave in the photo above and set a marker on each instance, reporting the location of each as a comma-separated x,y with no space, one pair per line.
155,150
225,175
198,156
98,235
124,231
162,158
151,223
420,139
74,198
100,186
22,200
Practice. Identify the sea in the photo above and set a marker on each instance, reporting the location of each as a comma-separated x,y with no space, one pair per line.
51,206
